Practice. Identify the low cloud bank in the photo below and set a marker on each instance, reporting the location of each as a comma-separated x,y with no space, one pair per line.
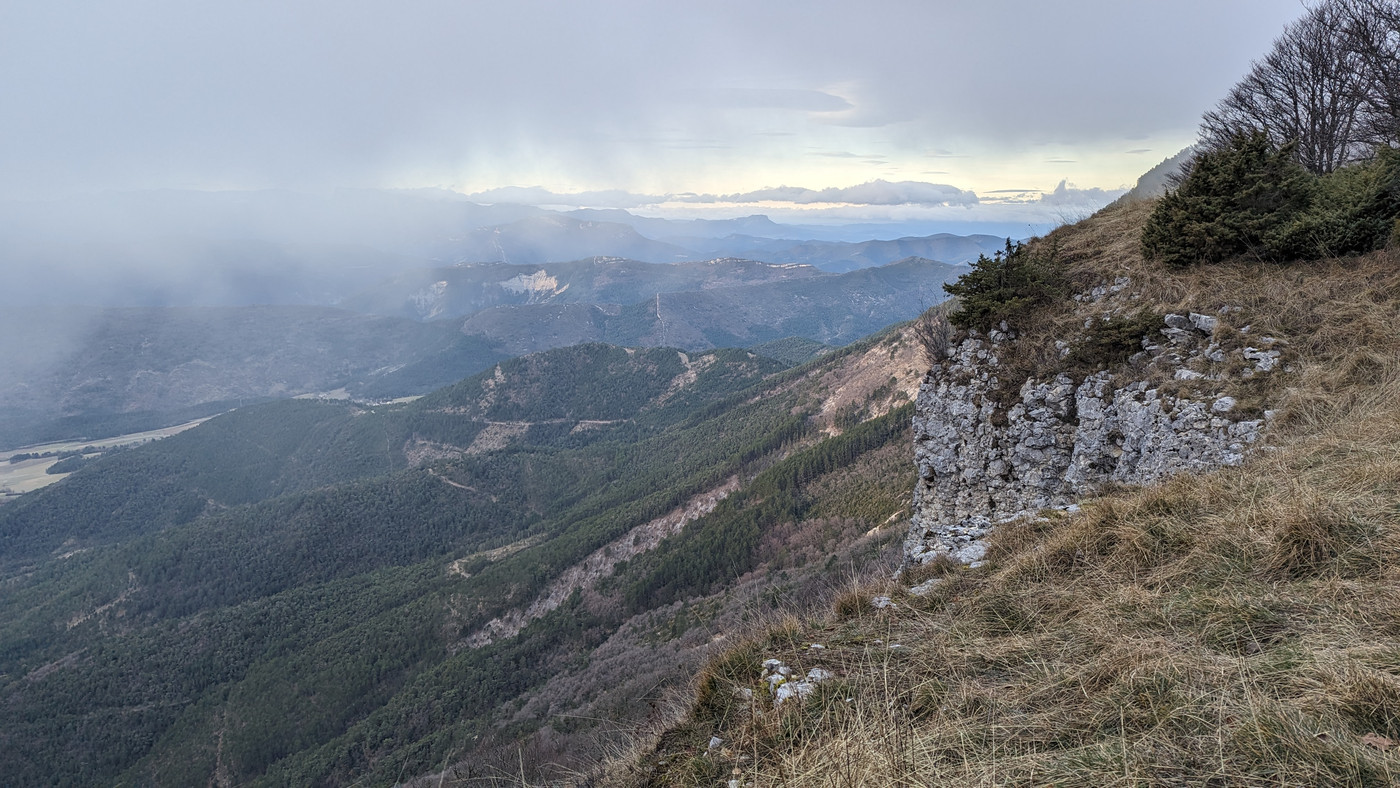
877,200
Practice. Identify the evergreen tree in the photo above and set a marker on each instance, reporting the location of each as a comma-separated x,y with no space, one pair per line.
1001,287
1236,199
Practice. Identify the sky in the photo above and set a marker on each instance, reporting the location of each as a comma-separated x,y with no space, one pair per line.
809,111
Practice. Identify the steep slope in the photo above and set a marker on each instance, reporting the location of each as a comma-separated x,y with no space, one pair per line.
1155,182
183,612
1230,626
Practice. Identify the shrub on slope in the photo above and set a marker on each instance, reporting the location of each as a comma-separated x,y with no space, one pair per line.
1249,198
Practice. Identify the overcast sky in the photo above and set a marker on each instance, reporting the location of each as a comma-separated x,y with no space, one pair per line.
813,108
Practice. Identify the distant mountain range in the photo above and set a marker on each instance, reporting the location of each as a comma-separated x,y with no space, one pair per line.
191,302
461,290
89,373
844,256
833,309
172,248
556,237
82,372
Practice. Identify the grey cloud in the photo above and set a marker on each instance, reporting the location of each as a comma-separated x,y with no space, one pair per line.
698,146
873,193
537,195
877,192
771,98
307,94
1068,195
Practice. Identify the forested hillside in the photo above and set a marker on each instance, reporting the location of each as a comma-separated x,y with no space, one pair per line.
308,592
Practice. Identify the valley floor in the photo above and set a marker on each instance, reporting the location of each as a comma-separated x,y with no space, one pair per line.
17,478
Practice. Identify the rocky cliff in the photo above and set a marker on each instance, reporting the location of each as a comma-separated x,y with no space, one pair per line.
988,452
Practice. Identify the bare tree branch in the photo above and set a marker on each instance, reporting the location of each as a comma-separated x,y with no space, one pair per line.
1372,36
1310,89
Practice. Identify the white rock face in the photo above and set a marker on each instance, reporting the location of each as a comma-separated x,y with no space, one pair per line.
1056,443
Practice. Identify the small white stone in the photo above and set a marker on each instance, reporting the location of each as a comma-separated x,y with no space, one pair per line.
796,689
926,587
1204,323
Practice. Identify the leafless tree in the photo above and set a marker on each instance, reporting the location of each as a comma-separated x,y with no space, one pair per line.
935,334
1372,35
1311,88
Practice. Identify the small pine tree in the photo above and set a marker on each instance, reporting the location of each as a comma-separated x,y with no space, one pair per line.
1003,287
1235,199
1355,211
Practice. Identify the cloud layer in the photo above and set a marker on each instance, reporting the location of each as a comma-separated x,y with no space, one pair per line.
877,192
612,98
1030,211
872,193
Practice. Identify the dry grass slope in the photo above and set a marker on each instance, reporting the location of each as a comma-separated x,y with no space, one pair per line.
1240,628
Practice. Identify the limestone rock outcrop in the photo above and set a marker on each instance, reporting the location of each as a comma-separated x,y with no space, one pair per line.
983,460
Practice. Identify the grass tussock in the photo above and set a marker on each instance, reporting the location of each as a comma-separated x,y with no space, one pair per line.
1238,628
